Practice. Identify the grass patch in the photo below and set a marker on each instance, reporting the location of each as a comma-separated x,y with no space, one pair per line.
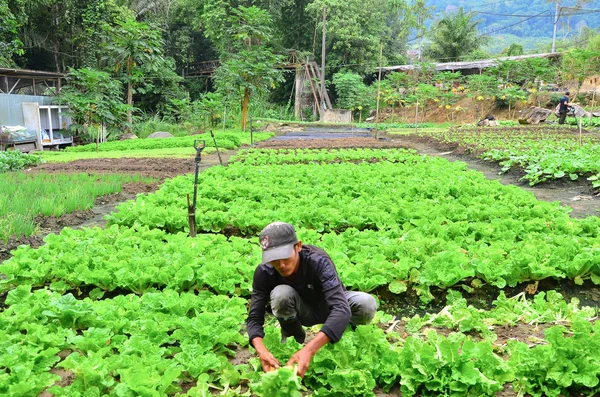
231,139
178,152
24,196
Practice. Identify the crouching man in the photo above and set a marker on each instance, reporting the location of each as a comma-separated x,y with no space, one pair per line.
301,284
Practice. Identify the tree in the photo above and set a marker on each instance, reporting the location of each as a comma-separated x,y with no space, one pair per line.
514,50
136,49
249,66
578,64
352,93
10,21
455,36
94,99
355,32
421,13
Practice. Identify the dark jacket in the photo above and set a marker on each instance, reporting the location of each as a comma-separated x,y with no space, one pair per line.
318,285
563,105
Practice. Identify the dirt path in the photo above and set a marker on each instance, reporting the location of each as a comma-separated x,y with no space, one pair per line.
161,168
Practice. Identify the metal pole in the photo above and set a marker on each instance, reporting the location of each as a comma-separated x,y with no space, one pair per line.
555,24
216,147
198,146
251,133
322,104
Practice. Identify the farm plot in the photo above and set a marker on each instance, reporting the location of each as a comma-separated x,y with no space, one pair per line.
139,308
542,152
225,140
24,196
389,223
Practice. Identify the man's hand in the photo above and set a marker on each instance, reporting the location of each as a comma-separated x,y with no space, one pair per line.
268,362
303,356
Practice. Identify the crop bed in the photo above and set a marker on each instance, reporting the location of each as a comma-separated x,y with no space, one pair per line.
224,141
542,152
140,308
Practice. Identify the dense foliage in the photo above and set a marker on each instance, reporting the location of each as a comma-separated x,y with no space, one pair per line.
14,160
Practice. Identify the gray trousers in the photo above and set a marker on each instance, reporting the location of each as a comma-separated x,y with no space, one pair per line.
287,305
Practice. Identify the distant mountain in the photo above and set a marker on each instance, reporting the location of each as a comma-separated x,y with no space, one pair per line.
532,18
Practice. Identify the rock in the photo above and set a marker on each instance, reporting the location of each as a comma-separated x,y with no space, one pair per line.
534,115
579,111
483,123
125,137
494,123
369,119
596,114
160,134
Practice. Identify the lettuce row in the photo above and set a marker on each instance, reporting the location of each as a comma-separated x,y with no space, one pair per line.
127,345
298,156
140,259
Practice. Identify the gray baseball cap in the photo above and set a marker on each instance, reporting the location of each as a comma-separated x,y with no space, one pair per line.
277,241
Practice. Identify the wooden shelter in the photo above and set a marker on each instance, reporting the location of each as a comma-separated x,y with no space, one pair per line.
29,82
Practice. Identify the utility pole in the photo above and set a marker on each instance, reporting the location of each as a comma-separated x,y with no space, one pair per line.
555,25
322,104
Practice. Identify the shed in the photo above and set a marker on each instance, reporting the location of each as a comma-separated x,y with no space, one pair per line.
27,99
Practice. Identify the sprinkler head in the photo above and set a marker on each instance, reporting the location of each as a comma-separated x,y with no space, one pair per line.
199,144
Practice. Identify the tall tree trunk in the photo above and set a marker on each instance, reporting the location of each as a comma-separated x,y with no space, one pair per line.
245,102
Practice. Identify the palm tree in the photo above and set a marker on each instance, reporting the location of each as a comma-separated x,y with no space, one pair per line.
455,36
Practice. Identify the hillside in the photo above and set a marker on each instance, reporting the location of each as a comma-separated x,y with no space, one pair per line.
513,17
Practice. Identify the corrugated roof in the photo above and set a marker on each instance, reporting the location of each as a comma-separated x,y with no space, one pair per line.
482,64
31,74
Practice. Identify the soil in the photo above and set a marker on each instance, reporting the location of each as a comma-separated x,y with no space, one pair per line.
160,168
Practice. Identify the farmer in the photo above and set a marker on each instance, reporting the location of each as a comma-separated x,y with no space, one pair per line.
303,288
563,108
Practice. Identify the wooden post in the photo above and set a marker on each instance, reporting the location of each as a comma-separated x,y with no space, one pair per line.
378,91
299,85
417,117
580,132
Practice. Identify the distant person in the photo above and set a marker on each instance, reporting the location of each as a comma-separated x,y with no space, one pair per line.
563,108
303,288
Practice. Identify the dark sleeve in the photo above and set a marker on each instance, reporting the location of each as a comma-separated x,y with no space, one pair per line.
339,309
258,303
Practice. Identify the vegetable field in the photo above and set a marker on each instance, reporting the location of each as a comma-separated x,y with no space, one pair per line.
542,152
141,309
